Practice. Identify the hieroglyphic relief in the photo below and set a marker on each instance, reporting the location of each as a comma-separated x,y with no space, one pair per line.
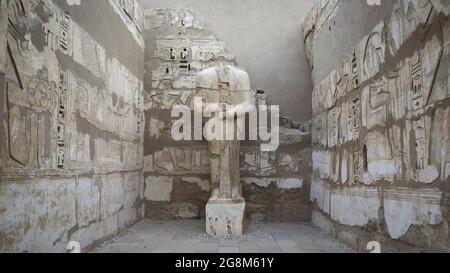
393,132
87,52
181,58
405,94
36,96
180,18
57,31
55,145
177,60
62,119
355,69
334,117
353,118
46,103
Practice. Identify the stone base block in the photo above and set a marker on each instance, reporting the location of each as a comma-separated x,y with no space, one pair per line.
225,218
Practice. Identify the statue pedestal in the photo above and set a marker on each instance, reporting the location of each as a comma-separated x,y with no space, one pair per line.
225,217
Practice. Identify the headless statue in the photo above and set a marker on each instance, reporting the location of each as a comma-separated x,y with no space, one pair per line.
226,93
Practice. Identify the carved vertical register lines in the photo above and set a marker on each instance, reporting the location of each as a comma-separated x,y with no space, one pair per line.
392,130
71,129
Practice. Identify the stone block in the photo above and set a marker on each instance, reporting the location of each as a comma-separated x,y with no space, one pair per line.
158,188
225,218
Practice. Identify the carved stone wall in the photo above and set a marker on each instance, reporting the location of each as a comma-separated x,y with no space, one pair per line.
177,174
72,123
381,123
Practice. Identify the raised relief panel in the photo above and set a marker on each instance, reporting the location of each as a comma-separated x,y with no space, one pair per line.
57,31
395,32
398,144
43,94
396,88
438,144
87,52
353,119
375,98
166,100
83,95
421,166
416,94
113,109
417,13
65,33
182,58
80,153
355,69
343,132
344,167
33,111
441,6
344,78
62,119
373,48
319,133
378,161
334,117
139,114
420,134
407,17
16,25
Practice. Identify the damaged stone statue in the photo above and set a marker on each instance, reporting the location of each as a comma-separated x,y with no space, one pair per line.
227,97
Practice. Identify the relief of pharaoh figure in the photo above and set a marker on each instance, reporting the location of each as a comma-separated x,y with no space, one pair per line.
227,97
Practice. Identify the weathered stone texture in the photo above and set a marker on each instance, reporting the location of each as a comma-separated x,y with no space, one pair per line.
381,124
177,174
71,130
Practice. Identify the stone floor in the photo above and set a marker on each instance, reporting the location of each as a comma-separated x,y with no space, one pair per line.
189,237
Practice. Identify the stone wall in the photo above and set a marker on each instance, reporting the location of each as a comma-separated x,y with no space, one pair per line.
381,130
264,37
177,174
71,111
